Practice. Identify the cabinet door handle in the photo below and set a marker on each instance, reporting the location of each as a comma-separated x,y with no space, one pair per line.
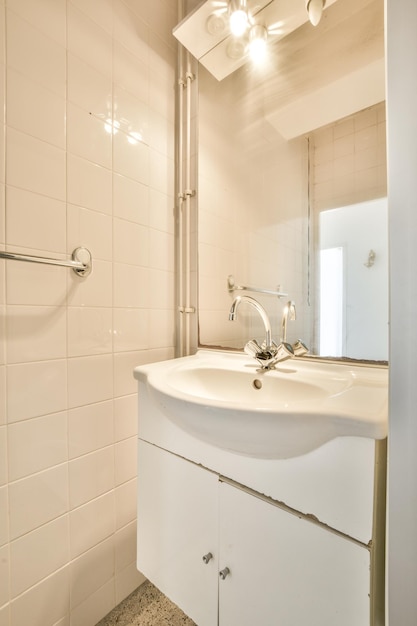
224,572
207,557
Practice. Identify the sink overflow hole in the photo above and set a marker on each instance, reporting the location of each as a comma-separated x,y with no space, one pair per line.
257,383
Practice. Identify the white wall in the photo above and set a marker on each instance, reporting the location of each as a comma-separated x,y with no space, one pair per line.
402,198
68,345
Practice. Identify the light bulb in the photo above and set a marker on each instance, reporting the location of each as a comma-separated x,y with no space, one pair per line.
239,19
238,22
257,43
315,10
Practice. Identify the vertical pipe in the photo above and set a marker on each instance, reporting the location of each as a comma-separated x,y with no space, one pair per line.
180,157
188,208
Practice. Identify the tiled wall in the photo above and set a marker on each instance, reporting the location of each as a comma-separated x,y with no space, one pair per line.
86,158
349,160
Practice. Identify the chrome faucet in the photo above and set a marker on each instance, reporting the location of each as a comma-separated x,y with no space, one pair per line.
268,354
289,314
256,305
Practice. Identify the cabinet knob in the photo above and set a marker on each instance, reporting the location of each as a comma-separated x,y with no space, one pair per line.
207,557
224,572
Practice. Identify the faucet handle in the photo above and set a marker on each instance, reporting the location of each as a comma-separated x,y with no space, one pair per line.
252,348
299,348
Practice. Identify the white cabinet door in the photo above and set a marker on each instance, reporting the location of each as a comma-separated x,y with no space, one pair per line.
177,526
286,571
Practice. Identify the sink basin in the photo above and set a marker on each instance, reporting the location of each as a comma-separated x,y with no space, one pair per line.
225,400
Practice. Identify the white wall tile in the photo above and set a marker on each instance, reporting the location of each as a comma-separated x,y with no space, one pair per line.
48,17
126,503
89,331
161,172
131,31
131,114
131,243
2,130
131,286
3,455
131,329
36,56
48,547
2,335
90,379
88,41
5,615
162,255
162,328
92,610
90,428
125,417
91,229
125,460
35,110
32,284
89,185
91,476
100,12
38,499
87,136
36,333
4,575
130,200
131,159
35,389
66,171
45,603
27,214
162,288
4,515
93,290
92,523
92,570
37,444
161,211
89,89
127,580
130,72
35,165
2,210
124,363
2,395
125,546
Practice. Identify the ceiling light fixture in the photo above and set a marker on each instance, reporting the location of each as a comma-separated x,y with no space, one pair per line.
258,36
315,10
238,17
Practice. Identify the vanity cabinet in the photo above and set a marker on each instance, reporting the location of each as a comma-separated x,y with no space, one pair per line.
177,527
230,557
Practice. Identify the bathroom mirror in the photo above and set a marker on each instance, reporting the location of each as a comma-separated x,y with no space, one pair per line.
292,188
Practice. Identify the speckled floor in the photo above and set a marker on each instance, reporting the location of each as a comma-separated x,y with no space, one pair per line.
146,606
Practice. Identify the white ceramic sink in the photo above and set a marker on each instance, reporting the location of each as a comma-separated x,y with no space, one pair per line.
225,400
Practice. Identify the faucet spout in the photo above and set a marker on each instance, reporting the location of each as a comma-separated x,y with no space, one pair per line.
264,316
288,314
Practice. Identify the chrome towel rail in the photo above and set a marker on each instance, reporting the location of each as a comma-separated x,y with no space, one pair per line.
269,292
81,261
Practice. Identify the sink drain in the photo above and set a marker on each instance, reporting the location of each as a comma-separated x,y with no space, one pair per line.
257,384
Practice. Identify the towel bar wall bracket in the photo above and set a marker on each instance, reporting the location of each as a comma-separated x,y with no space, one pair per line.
81,260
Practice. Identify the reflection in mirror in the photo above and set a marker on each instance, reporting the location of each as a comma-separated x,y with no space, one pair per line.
353,287
280,146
